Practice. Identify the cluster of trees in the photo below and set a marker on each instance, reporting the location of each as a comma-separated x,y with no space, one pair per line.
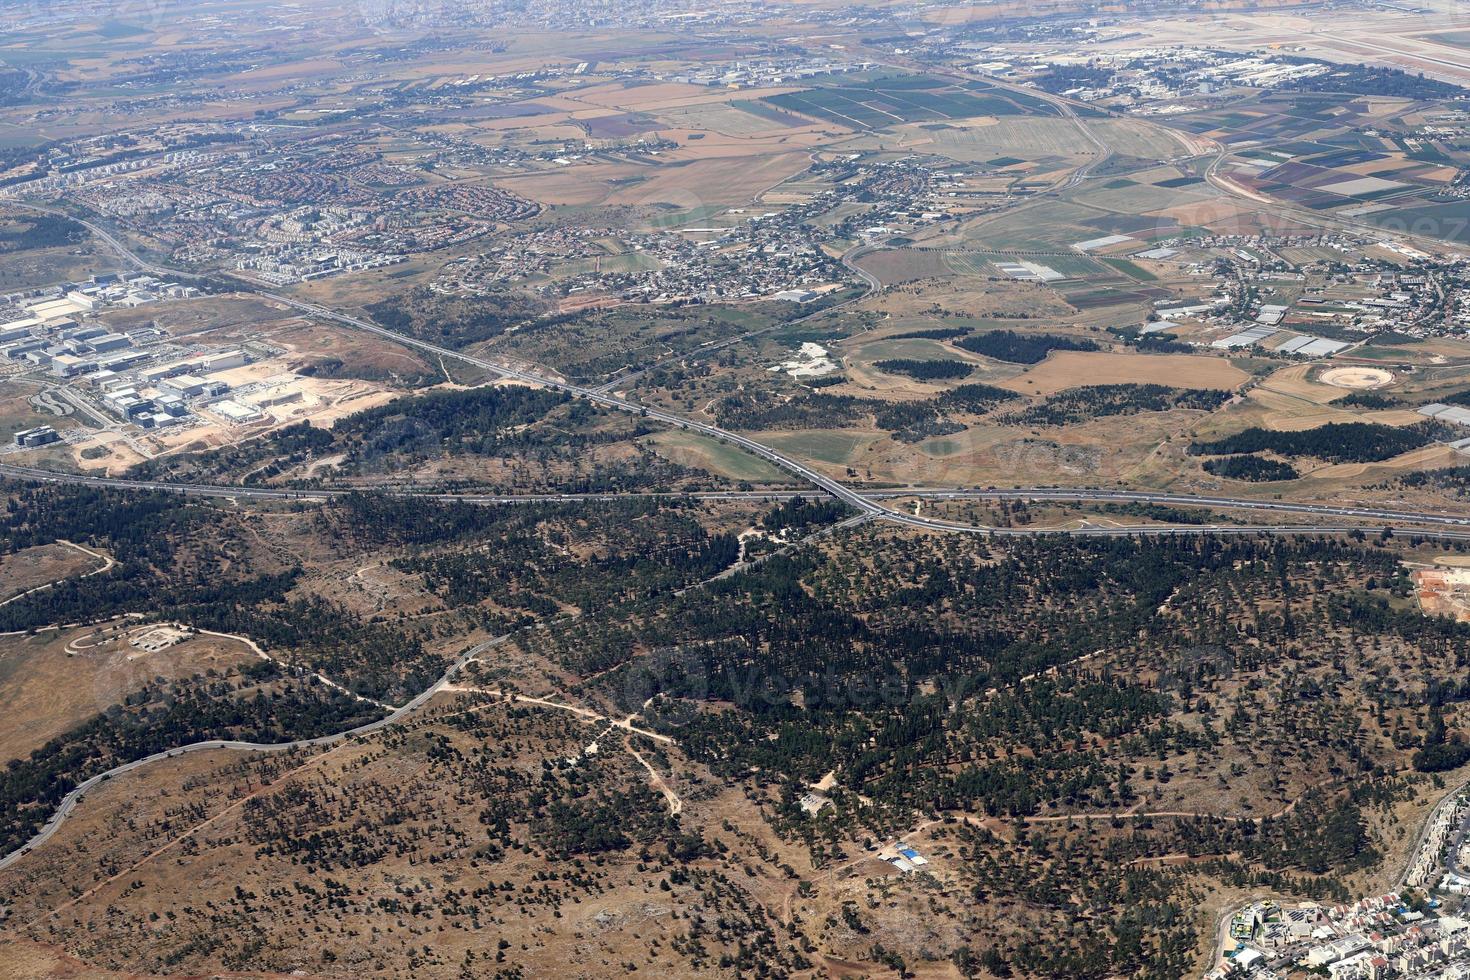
185,561
457,321
359,369
162,717
926,370
1095,401
1454,478
1161,343
974,399
1063,78
530,828
953,675
15,84
1151,343
550,436
1005,677
542,559
758,410
1439,753
1019,348
382,661
1374,80
609,821
915,421
42,231
932,333
800,514
480,421
1251,468
1336,442
1370,400
372,519
861,653
259,459
909,420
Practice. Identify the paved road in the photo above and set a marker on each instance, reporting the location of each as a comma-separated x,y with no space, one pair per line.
1457,842
1380,516
622,381
863,503
787,463
1453,850
71,799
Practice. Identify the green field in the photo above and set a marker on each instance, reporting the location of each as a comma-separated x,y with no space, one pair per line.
720,458
831,446
915,348
625,263
942,446
1131,269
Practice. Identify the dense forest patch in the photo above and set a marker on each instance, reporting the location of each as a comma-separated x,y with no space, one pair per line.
1021,348
1096,401
1336,442
922,370
1251,468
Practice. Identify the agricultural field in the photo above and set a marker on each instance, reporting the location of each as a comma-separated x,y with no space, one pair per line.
559,496
1069,369
884,101
1027,147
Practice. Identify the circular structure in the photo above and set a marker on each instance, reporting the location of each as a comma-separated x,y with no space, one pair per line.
1356,377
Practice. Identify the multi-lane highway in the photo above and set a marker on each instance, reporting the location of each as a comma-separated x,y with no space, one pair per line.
864,503
870,505
859,501
1331,517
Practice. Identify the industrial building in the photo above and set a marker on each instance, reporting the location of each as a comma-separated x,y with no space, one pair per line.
41,435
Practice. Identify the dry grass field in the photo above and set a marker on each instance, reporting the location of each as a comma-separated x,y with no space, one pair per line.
988,138
967,298
1072,369
896,265
581,186
228,798
54,680
518,824
31,568
712,181
689,449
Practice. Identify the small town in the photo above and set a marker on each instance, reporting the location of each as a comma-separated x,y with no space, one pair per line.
1420,931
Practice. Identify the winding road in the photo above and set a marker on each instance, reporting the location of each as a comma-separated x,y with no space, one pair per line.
70,801
868,504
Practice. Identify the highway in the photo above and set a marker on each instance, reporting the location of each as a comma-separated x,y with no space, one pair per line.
1378,516
863,503
868,504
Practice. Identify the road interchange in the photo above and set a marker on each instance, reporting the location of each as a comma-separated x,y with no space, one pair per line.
864,502
869,504
1403,520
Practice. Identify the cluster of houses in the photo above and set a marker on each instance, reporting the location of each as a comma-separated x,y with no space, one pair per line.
1403,935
